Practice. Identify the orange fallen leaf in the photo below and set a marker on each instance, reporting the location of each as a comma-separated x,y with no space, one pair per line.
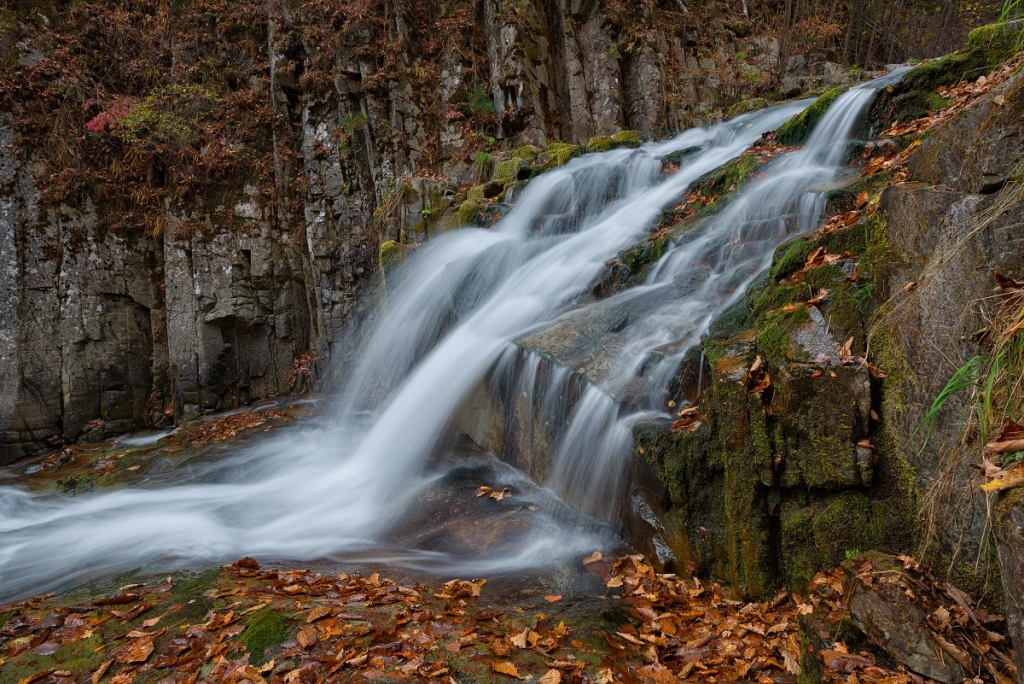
460,588
100,671
553,598
501,647
505,667
1008,479
593,558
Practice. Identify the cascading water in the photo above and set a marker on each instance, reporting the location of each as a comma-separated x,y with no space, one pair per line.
452,312
705,273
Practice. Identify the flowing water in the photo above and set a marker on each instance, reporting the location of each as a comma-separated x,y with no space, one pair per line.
348,484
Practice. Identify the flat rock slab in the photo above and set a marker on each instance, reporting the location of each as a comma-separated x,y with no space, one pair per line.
930,627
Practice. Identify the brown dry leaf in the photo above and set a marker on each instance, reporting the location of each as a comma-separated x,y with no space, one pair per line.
1007,447
1009,439
758,380
874,370
135,651
483,490
689,421
550,677
501,647
846,353
630,638
100,671
960,655
553,598
1007,286
1010,430
815,257
519,640
940,618
818,298
307,636
37,676
991,469
911,285
318,613
862,198
593,558
505,667
116,599
605,676
614,581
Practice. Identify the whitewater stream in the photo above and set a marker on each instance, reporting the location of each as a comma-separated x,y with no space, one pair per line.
347,484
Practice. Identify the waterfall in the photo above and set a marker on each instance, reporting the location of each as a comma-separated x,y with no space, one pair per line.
701,276
338,486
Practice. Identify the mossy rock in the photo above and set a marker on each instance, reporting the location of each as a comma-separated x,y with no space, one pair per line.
392,254
467,211
679,155
754,104
727,178
987,47
600,143
797,130
789,258
476,193
628,138
527,152
512,170
824,530
917,104
559,153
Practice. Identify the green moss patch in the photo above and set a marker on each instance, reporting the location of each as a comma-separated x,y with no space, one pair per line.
797,130
627,138
265,629
789,258
197,583
727,178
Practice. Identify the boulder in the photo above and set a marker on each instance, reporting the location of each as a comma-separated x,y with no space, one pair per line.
980,149
894,621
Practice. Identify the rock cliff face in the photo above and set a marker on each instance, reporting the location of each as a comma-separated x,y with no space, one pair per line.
768,487
840,462
190,201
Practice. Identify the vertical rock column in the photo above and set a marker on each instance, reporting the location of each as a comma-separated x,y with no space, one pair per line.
1009,532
